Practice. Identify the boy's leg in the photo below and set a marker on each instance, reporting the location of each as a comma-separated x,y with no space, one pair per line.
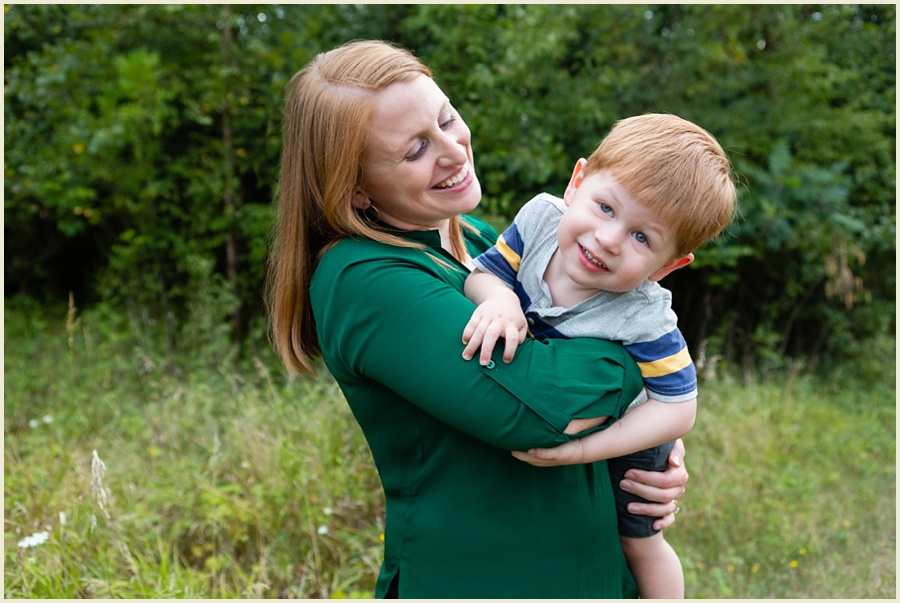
656,567
654,563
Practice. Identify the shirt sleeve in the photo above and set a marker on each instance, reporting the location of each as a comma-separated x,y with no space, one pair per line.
667,368
651,335
400,324
503,259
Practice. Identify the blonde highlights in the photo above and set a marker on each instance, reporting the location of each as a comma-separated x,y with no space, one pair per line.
676,169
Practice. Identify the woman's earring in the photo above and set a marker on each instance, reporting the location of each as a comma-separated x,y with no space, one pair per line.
369,218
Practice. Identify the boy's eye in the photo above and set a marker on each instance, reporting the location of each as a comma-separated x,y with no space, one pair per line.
641,238
605,208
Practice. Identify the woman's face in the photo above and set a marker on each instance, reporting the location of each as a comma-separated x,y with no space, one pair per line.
419,170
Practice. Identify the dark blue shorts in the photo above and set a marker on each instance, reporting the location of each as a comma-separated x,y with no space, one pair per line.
652,459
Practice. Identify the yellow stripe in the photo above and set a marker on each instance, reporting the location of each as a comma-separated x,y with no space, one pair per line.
508,254
666,366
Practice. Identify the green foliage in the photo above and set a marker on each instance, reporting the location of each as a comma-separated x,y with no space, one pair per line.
228,480
142,147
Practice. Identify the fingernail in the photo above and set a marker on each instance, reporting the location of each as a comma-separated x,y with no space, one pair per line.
676,460
626,485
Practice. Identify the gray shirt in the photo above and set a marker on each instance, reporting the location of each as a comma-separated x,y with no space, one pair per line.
641,319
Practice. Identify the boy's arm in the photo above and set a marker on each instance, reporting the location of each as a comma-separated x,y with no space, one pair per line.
498,315
650,424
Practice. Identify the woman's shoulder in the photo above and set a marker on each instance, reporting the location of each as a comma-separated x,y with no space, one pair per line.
358,249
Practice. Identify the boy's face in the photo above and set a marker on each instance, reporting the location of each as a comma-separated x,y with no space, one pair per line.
609,241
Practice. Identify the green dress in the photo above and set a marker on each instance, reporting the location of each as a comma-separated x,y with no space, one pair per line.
464,519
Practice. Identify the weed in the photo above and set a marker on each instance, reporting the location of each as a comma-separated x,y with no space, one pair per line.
158,475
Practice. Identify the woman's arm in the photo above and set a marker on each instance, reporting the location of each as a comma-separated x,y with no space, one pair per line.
397,321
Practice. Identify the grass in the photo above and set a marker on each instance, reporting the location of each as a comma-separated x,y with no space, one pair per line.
225,479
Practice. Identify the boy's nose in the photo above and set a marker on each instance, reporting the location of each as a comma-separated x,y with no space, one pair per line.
609,239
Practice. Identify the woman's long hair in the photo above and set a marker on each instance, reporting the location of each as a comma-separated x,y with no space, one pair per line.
326,117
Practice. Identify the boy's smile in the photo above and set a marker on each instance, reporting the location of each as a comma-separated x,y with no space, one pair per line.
607,240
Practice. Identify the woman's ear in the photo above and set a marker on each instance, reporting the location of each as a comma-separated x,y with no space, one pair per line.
575,181
671,266
361,201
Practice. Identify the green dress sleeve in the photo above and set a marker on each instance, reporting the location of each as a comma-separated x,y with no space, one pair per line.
395,317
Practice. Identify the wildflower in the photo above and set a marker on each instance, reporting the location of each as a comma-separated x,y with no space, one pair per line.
100,493
35,539
803,551
33,423
241,153
730,568
381,537
322,530
78,148
755,568
62,518
47,419
794,563
327,511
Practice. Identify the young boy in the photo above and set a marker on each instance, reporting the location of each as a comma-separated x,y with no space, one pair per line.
655,189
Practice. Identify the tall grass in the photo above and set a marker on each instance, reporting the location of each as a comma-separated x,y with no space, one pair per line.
225,479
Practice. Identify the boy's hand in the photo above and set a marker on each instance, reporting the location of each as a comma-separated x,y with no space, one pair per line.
493,319
570,453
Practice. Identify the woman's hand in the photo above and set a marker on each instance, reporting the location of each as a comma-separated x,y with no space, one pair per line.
665,488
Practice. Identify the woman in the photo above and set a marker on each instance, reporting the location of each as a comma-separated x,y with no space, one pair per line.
372,249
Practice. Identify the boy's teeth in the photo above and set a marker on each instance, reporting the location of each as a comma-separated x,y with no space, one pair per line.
456,179
593,260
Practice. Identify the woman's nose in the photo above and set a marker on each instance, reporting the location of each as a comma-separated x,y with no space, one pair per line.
454,150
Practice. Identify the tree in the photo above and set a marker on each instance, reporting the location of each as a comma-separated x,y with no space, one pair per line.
142,147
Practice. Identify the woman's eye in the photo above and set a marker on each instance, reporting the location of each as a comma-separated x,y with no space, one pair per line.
641,238
448,122
418,152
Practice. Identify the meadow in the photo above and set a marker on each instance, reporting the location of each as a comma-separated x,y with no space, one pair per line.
134,469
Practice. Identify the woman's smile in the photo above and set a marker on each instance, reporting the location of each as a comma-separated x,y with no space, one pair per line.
457,179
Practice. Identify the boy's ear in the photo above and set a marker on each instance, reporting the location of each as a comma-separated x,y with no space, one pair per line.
671,266
361,201
575,181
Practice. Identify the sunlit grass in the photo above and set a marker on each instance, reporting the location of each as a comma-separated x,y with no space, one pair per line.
227,480
792,493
